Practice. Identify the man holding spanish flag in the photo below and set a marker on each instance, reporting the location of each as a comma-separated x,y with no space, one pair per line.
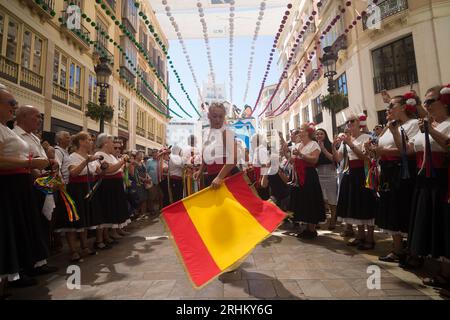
215,229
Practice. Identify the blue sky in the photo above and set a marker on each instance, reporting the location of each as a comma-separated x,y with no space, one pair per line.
220,54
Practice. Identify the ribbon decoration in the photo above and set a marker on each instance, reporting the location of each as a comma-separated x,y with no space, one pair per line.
405,166
47,185
427,158
201,14
373,176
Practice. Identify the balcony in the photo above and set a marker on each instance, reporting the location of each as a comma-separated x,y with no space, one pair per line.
140,132
123,123
311,76
310,30
101,50
387,8
391,80
127,75
323,6
80,36
44,8
31,80
75,100
318,118
340,43
60,93
151,136
159,140
9,70
112,4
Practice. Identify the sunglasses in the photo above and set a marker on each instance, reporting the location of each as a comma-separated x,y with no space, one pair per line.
350,121
116,148
429,101
12,103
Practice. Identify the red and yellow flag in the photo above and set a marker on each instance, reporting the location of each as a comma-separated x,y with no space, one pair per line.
214,229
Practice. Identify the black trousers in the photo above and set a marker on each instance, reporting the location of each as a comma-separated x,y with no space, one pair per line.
177,189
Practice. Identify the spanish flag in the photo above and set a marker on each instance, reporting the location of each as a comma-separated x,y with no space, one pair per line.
213,230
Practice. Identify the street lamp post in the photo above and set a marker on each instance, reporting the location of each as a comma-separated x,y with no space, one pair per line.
328,60
103,73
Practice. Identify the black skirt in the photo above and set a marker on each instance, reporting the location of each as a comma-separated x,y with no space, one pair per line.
90,215
356,204
111,200
307,201
429,230
21,242
177,189
394,203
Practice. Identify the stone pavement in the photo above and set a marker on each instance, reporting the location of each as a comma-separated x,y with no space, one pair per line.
144,266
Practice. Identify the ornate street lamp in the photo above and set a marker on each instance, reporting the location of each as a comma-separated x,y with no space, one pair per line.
328,60
103,73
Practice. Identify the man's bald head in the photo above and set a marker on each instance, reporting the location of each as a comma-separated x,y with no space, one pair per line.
8,105
28,118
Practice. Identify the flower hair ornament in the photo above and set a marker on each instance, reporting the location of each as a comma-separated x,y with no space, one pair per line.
362,120
411,102
311,127
445,95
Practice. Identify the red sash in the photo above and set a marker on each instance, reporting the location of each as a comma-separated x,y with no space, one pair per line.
439,159
356,164
118,176
300,169
82,179
10,172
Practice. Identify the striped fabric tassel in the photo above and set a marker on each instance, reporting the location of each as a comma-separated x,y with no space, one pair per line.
405,167
346,164
70,206
427,156
373,176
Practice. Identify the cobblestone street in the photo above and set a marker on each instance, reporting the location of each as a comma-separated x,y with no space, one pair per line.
144,265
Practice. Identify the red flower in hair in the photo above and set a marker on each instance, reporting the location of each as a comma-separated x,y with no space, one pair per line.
411,108
409,95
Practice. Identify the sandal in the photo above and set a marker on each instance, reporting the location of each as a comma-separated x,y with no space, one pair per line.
390,257
355,242
437,281
101,246
75,257
88,252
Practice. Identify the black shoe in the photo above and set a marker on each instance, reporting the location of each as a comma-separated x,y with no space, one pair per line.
391,257
23,282
366,246
40,271
410,263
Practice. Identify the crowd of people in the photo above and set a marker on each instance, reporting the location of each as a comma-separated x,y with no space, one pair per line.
395,178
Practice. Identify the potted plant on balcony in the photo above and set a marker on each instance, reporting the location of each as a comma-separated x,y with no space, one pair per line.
97,113
337,102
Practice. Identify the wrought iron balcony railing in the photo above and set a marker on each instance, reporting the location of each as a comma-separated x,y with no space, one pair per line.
387,8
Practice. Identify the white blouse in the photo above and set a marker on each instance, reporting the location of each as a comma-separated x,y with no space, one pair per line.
75,159
419,140
11,145
176,165
110,159
213,151
36,149
411,128
359,143
309,148
260,156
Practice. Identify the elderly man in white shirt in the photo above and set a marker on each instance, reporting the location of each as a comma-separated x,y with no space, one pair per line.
29,120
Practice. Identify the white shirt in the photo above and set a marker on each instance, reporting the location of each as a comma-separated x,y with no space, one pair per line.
411,128
260,157
419,140
110,159
187,156
62,157
75,159
36,149
176,165
12,145
213,151
359,143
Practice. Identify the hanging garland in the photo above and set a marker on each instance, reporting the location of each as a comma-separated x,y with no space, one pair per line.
141,49
201,14
122,51
352,25
292,54
262,7
232,8
185,52
272,52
